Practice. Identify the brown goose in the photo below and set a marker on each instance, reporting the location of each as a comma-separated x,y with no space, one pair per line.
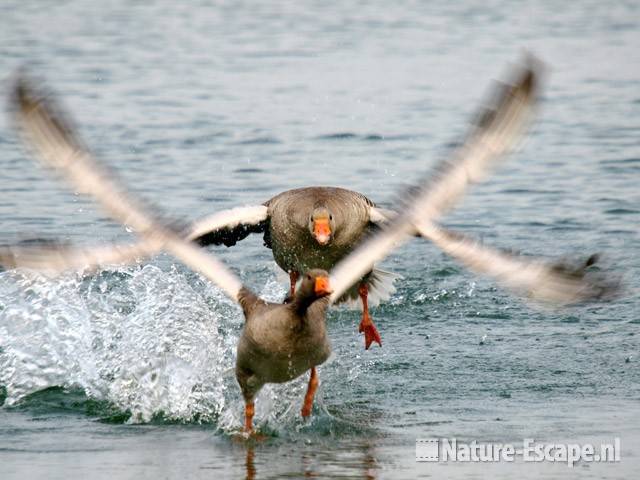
280,342
296,331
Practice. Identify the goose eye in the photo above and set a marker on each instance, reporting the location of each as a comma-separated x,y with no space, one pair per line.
330,217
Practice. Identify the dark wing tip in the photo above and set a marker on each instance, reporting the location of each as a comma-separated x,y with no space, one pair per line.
525,85
606,285
26,95
22,97
529,78
29,102
522,87
599,284
592,260
25,98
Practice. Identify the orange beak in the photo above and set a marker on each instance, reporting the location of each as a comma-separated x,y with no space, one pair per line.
322,286
322,231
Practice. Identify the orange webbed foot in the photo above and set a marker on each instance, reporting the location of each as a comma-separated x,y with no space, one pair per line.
370,332
366,325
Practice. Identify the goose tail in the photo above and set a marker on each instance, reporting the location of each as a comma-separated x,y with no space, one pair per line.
381,286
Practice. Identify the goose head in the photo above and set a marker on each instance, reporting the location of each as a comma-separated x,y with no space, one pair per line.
321,225
314,285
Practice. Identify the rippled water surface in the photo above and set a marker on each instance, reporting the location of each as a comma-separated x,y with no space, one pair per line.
126,373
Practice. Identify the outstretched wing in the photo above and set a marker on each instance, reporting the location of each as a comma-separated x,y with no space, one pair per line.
494,134
56,256
495,131
533,277
44,127
230,226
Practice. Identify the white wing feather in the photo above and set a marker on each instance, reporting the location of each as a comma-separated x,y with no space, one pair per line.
533,277
57,257
249,215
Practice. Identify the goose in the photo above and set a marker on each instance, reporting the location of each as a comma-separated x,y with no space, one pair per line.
280,342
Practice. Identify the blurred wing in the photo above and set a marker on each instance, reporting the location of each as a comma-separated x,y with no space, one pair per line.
229,226
352,268
532,277
44,128
494,134
495,131
57,257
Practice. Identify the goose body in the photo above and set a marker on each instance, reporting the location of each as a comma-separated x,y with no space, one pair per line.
294,248
280,342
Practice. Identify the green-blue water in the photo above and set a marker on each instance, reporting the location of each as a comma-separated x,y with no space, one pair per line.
126,373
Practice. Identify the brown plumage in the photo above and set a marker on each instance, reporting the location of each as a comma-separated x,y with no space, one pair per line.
280,342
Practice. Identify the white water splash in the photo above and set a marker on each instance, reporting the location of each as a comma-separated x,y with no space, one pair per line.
146,339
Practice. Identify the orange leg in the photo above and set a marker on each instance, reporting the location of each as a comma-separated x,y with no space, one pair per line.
311,391
366,325
249,410
293,278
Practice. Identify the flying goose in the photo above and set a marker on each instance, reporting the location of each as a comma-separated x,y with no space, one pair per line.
295,331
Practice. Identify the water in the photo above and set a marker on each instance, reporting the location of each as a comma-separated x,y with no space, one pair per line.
125,373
